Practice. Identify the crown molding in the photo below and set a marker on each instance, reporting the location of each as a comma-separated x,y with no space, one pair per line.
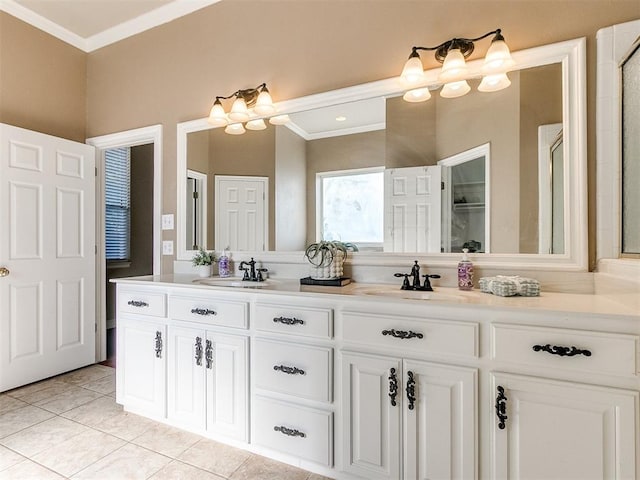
147,21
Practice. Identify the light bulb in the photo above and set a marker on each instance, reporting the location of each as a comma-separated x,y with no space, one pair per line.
454,67
498,58
239,111
455,89
235,129
417,95
217,116
493,83
279,120
413,72
264,104
257,124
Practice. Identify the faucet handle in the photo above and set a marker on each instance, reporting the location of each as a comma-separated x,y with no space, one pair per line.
405,283
427,284
246,273
259,276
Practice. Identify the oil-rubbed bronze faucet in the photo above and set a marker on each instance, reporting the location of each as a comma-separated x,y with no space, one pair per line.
251,274
415,283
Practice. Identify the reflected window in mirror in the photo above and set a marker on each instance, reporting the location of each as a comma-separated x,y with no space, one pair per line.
630,73
350,206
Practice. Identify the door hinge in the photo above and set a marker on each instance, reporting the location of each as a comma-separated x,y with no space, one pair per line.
195,195
441,185
95,249
95,327
95,169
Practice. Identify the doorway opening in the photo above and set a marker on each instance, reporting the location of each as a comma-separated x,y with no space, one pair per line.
135,248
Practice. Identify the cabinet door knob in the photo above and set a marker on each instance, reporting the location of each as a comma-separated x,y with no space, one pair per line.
198,351
402,334
561,351
291,432
411,390
208,354
4,272
393,386
501,408
137,303
203,311
288,321
158,344
289,370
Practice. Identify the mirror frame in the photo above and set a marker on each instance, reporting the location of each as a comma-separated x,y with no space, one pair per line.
571,54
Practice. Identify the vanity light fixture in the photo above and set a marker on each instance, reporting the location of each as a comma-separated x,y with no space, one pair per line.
454,71
248,104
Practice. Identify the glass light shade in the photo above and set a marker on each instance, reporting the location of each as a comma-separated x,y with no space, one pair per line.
239,111
455,89
454,67
279,120
417,95
498,58
264,104
257,124
235,129
493,83
217,116
413,72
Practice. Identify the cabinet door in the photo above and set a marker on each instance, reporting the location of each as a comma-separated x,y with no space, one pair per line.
439,421
565,430
140,376
186,376
227,384
371,423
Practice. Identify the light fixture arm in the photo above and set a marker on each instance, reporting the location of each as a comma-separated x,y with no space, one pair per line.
465,45
250,95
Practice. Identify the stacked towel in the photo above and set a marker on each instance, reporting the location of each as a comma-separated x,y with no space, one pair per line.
508,286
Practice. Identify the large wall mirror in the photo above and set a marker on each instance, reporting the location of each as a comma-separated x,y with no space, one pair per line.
503,173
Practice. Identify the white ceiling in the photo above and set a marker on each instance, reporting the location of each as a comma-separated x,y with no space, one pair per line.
92,24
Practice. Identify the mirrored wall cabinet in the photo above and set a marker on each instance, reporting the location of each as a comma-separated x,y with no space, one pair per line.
500,173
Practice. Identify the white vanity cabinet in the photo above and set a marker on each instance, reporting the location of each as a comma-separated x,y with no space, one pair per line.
402,417
563,428
207,375
141,346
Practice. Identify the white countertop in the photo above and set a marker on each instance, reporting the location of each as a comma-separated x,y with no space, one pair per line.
625,305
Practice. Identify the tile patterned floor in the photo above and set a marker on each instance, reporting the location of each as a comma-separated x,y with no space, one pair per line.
71,427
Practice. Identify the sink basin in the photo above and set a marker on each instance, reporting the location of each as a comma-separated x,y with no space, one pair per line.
234,282
413,294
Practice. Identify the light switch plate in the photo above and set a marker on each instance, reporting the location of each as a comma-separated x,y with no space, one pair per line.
167,247
167,221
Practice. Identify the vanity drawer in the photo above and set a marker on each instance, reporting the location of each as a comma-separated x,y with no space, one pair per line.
594,352
294,320
142,302
298,370
410,334
298,431
209,310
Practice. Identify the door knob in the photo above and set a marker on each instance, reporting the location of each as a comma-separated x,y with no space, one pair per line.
4,272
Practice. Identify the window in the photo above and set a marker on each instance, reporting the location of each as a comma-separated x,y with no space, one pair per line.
350,206
117,163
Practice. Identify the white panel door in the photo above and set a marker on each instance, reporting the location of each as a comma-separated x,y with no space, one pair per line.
562,430
186,376
241,213
227,384
47,242
440,429
371,418
412,209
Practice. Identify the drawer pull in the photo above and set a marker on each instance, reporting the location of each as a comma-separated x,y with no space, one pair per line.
158,344
501,408
393,386
402,334
561,351
290,432
137,303
289,370
208,354
288,321
198,351
411,389
203,311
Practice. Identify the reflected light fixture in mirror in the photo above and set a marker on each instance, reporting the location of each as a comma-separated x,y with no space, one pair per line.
248,104
454,71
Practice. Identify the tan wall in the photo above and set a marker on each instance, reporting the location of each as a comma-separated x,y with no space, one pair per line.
360,150
42,81
541,104
411,133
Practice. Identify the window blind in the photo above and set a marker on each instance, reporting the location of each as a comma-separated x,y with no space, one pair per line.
117,203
